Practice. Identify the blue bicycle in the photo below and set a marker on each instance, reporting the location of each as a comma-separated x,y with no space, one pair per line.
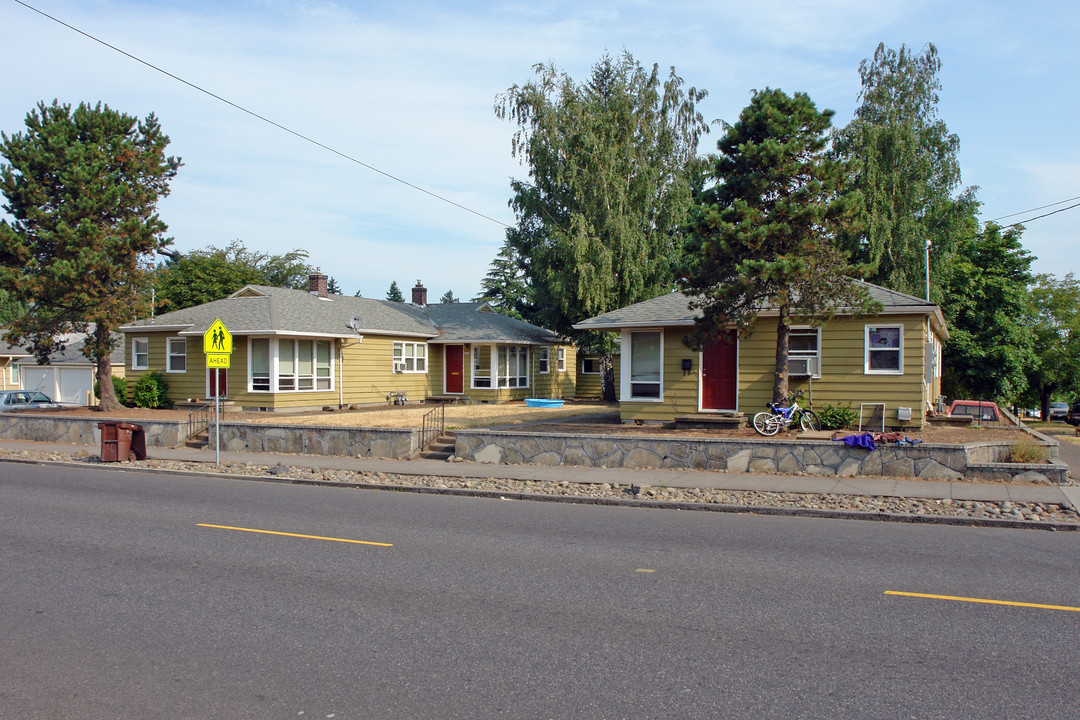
781,417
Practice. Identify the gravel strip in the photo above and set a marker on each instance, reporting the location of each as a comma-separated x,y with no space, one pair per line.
1048,515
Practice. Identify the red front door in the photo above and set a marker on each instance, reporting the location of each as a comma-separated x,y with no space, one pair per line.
218,380
720,374
455,369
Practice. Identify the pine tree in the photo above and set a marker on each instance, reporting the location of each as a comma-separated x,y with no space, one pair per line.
394,293
765,235
82,188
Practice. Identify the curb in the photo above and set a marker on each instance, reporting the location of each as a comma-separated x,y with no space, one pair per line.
612,502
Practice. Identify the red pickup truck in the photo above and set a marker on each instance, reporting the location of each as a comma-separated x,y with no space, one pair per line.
977,410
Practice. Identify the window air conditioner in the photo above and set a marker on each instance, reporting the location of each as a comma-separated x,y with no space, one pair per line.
399,367
801,367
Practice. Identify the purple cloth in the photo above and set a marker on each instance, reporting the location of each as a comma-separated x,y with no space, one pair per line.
865,440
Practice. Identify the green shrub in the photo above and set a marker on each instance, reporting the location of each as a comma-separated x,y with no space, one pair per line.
151,391
1025,451
838,416
119,387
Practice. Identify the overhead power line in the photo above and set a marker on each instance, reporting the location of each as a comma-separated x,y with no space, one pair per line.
1041,207
264,119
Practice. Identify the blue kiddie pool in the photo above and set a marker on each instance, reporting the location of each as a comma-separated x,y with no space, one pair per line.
542,402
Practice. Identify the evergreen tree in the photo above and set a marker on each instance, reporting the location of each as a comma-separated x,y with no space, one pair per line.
765,235
504,287
991,344
394,293
905,162
82,189
448,297
332,288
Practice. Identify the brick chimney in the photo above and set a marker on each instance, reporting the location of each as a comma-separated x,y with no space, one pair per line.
419,295
317,283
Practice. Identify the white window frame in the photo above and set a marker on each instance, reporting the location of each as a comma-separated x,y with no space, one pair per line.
594,360
411,357
868,349
626,362
560,354
543,360
135,342
14,372
481,376
296,383
815,356
517,379
170,354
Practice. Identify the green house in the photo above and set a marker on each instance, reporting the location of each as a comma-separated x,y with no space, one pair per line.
887,366
295,350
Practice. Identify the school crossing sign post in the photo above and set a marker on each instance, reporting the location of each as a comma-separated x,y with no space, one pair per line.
217,344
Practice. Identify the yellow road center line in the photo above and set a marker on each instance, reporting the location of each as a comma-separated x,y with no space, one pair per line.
295,535
984,601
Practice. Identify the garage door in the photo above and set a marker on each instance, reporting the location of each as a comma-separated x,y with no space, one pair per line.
73,385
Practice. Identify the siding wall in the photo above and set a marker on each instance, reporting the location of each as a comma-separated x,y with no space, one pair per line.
843,378
588,385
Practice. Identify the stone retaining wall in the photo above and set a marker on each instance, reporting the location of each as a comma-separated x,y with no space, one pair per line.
318,440
84,430
739,455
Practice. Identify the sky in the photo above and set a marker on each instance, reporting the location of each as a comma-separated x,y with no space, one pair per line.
408,90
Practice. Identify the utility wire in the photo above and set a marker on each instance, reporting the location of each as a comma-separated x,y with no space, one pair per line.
1055,212
1041,207
262,118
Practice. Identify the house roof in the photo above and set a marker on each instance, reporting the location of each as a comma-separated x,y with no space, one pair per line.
263,310
72,353
478,323
673,310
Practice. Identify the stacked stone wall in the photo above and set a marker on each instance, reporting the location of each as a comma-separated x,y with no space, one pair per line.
318,440
84,431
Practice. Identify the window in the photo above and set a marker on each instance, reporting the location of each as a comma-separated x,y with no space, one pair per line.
260,365
176,349
884,349
14,373
302,365
590,366
646,356
140,354
410,357
561,354
543,358
481,364
804,352
513,366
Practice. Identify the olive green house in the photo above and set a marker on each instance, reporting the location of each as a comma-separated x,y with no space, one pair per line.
887,366
296,350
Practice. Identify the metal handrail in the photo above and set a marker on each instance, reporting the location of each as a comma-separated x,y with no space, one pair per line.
432,425
198,420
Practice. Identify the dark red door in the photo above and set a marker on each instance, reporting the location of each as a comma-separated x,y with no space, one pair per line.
720,374
455,369
219,379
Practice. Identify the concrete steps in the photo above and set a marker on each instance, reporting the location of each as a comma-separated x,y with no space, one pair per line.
198,441
707,420
441,449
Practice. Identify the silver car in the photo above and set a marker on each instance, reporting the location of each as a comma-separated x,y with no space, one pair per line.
17,399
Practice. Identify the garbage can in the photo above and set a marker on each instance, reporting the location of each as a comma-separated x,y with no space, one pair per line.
120,440
136,440
109,450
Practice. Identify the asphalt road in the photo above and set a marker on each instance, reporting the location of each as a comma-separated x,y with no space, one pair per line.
116,601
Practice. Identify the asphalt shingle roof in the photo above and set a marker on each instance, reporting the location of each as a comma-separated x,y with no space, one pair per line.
258,309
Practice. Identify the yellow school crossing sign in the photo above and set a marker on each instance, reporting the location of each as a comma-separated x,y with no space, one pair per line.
217,344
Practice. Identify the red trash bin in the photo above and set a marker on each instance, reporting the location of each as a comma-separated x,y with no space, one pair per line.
109,449
136,440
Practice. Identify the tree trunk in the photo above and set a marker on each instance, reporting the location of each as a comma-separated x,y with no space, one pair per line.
101,349
780,377
607,378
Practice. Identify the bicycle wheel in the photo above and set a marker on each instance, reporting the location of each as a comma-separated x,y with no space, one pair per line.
808,420
767,423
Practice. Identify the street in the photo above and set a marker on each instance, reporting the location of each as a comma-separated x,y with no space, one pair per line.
138,595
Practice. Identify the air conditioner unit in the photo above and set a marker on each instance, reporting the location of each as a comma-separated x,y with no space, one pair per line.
399,367
801,367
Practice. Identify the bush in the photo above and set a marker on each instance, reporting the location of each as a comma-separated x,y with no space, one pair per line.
119,387
838,416
151,391
1026,451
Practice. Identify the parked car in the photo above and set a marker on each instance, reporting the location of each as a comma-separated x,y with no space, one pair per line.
977,410
17,399
1058,411
1073,418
